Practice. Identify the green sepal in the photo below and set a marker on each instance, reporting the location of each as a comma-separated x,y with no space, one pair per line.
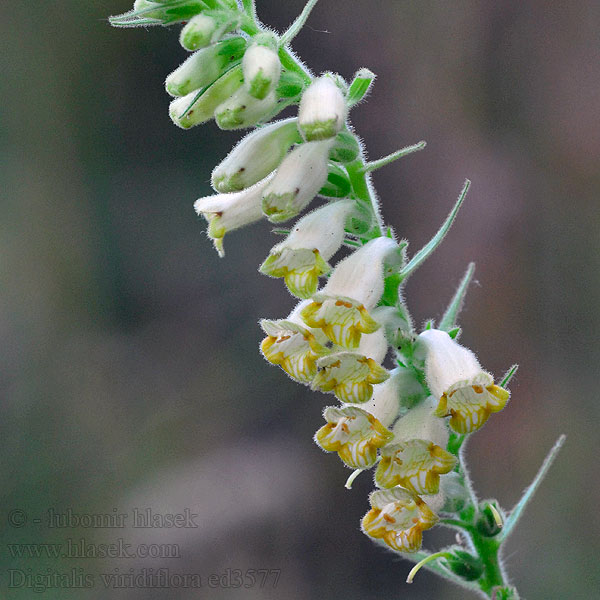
345,148
164,13
337,184
291,85
360,86
454,333
465,565
486,523
505,593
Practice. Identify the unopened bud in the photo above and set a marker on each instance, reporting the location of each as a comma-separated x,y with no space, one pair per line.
345,149
242,110
168,12
189,110
490,520
205,66
322,110
204,29
262,69
259,153
298,180
465,565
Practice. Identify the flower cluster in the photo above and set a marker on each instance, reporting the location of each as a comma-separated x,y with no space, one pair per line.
406,398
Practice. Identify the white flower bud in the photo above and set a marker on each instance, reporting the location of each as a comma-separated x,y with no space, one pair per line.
255,156
203,30
225,212
204,107
302,257
322,110
242,110
299,179
262,69
205,66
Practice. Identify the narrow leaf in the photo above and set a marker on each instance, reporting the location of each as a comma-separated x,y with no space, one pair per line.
448,321
360,86
297,25
386,160
509,375
426,251
517,511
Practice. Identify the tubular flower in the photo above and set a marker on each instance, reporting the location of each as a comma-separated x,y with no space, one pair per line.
256,155
300,176
464,391
417,457
415,465
225,212
351,375
302,257
342,308
354,434
293,347
398,517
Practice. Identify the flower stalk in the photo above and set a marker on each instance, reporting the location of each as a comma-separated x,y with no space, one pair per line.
408,399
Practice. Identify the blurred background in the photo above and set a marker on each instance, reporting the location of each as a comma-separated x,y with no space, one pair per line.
130,376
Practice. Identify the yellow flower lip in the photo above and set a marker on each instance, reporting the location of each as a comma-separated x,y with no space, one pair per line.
398,517
343,320
300,268
354,434
470,403
293,348
415,464
349,375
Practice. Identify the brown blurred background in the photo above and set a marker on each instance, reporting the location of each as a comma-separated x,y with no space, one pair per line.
130,375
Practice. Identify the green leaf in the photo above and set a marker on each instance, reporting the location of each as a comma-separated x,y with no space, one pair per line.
448,321
360,86
428,249
517,511
508,376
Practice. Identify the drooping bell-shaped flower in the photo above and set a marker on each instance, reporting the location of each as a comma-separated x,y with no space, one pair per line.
398,517
322,110
262,69
225,212
205,66
463,390
417,456
354,434
255,156
299,178
302,257
293,346
351,375
341,308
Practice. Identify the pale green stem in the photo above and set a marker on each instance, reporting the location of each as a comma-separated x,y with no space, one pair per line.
423,562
